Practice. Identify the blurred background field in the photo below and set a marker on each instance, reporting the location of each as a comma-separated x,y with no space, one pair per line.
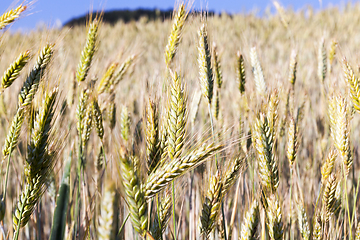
321,39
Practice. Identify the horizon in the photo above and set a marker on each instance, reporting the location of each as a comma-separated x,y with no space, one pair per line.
56,13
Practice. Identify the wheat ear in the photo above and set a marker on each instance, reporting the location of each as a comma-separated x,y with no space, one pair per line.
292,68
153,141
317,229
163,216
267,165
81,109
240,72
353,83
217,67
32,81
322,61
88,52
329,198
177,115
87,124
332,53
119,73
105,80
219,81
211,206
357,232
111,112
258,73
97,118
26,94
274,222
292,143
125,123
134,195
39,163
175,35
14,70
341,132
272,110
303,222
161,177
11,15
108,220
250,223
328,166
232,174
204,61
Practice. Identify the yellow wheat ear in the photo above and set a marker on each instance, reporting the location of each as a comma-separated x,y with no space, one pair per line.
204,61
88,52
11,15
175,35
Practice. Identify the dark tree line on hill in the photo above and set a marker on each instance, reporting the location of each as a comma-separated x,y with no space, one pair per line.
112,17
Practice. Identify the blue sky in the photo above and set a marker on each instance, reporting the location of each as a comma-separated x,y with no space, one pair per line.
53,12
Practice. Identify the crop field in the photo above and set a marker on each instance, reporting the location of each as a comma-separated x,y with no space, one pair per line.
197,127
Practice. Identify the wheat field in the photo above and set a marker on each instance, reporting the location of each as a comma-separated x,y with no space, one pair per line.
198,127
